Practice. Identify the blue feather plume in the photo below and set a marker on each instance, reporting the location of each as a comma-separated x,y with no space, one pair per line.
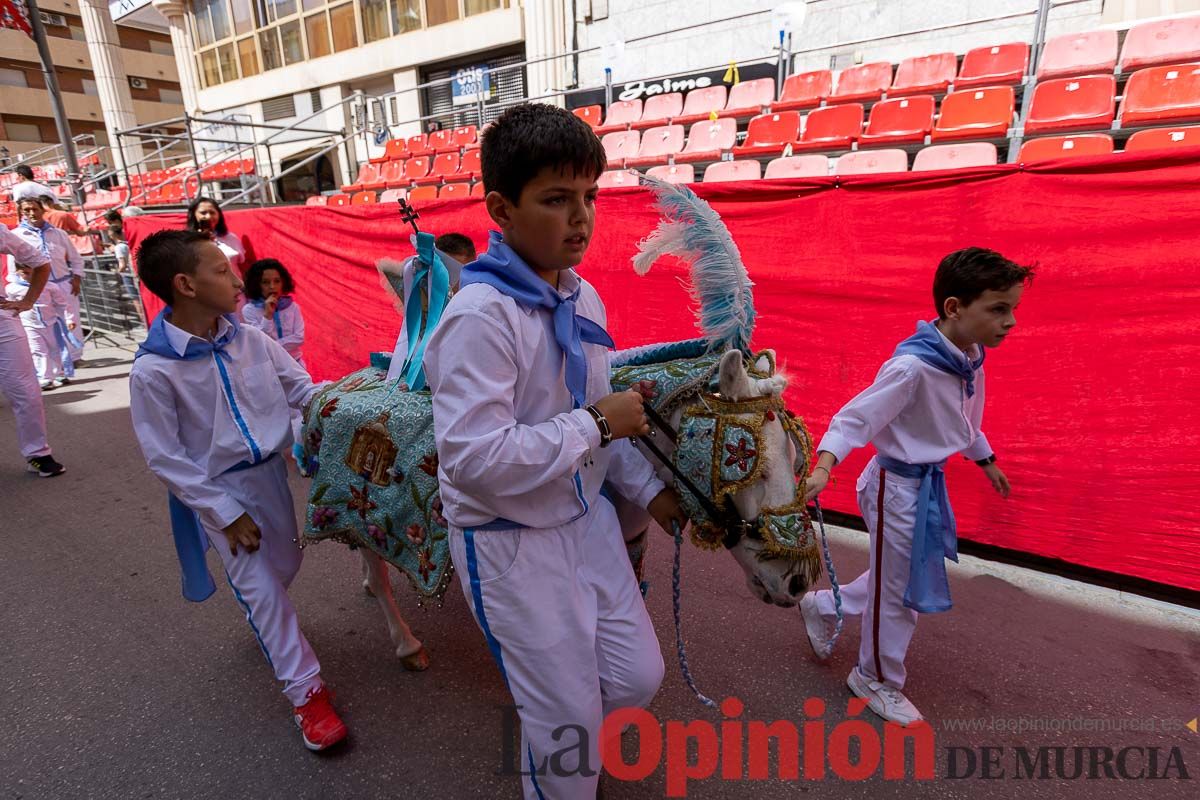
720,285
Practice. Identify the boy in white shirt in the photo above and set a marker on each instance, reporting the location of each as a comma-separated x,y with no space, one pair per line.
527,430
925,405
49,309
210,401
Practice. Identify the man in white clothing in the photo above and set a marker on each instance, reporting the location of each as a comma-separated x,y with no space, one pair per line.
18,378
66,270
925,405
28,187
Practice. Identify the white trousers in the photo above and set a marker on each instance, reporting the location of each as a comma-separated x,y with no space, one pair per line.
19,383
75,337
889,507
564,619
260,579
47,358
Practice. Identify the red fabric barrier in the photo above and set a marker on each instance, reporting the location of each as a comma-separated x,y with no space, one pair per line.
1093,402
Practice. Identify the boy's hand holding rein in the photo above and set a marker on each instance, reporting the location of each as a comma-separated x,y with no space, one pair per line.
242,531
625,415
665,509
820,476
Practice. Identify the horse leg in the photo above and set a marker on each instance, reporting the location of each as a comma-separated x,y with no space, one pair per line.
409,649
366,571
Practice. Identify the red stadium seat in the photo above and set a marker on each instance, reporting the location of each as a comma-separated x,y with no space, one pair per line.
658,145
368,179
621,145
659,110
247,166
1086,53
675,173
975,114
1162,94
616,178
589,114
477,191
864,82
903,119
804,90
723,171
621,115
393,150
870,162
769,134
831,128
1167,41
1088,144
339,200
465,136
444,165
1072,104
416,168
422,194
316,200
418,145
701,103
394,175
749,98
708,140
955,156
990,66
455,191
798,167
471,166
441,141
930,74
363,199
393,195
1163,138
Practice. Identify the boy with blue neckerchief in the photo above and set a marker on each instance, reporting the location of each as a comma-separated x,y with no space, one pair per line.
528,430
210,400
925,405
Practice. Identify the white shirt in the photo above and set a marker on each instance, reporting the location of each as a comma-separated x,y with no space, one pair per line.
186,426
31,189
913,412
11,244
509,444
65,260
231,245
291,321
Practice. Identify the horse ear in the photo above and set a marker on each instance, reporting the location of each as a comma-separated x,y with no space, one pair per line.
766,362
734,382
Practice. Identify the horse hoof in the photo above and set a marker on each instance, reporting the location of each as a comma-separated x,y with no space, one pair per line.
416,662
367,589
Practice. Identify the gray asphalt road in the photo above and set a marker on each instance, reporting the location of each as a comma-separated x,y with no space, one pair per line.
111,686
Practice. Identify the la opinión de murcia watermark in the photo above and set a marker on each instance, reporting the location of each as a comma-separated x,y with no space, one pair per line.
854,749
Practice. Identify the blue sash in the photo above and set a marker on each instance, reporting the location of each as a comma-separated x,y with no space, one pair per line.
935,537
430,272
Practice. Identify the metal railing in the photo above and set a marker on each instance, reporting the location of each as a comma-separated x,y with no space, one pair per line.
110,303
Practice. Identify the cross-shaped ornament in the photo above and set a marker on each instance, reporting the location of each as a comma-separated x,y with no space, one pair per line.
409,214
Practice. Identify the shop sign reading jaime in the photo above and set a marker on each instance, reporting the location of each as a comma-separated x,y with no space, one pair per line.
640,89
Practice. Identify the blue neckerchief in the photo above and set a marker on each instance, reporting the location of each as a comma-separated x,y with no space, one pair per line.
285,301
429,272
190,540
501,268
41,232
930,346
935,537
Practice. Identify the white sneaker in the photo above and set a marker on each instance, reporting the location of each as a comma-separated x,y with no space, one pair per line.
814,625
886,701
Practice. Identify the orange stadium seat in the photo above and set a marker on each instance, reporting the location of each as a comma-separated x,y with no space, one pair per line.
993,65
1072,104
798,167
675,173
831,128
769,134
1167,41
707,140
620,116
975,114
1162,95
930,74
1088,144
864,82
870,162
955,156
723,171
659,110
658,145
804,90
903,119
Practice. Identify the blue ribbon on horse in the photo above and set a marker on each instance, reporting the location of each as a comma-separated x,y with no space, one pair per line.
501,268
431,273
190,540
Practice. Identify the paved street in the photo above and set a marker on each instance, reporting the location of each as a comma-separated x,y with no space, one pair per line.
112,686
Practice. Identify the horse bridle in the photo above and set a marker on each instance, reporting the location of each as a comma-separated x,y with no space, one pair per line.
735,527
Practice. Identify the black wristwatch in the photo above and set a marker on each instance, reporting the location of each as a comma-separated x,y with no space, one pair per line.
983,462
602,424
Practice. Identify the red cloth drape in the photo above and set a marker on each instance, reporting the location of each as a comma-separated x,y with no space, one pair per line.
1093,402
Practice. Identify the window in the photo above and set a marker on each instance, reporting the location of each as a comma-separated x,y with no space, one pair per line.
293,46
279,108
439,11
375,19
316,28
161,47
268,40
406,16
228,62
243,19
309,5
13,77
345,35
248,57
173,96
89,88
23,132
209,73
473,7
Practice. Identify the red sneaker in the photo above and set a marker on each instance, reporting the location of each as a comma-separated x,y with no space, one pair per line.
319,724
